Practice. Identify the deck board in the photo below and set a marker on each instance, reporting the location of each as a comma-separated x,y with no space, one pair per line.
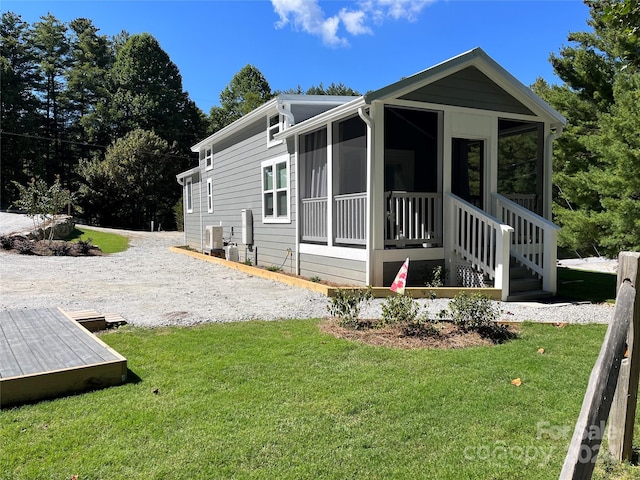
41,349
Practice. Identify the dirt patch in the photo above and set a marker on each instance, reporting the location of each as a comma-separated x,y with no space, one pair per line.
448,336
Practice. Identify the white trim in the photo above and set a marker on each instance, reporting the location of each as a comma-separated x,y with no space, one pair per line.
273,162
273,130
188,195
210,195
346,253
208,157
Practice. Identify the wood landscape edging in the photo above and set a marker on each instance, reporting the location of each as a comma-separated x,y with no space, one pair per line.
330,291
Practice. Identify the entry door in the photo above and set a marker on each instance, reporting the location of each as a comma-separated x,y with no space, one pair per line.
467,170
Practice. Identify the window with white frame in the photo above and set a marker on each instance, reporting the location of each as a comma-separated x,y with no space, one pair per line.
275,124
210,195
206,154
275,190
188,195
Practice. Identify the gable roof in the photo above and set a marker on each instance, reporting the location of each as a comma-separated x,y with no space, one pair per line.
483,67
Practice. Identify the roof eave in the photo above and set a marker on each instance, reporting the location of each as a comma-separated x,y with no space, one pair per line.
323,118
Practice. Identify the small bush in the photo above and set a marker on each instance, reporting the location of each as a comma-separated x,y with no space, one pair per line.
83,247
6,242
477,313
436,277
470,312
25,247
60,249
346,306
274,268
315,279
399,309
248,262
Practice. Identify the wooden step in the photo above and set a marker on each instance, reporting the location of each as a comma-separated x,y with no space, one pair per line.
89,319
114,320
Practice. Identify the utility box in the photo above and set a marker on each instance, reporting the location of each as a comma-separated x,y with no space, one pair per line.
231,252
213,237
247,226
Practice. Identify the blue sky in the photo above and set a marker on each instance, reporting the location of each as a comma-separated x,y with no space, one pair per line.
364,44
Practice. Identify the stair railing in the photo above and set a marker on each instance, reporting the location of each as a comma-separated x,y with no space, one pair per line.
534,242
480,239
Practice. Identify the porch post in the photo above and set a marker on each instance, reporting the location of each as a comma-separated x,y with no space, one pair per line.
330,199
369,221
550,258
503,245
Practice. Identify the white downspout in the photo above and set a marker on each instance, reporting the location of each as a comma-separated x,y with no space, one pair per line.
286,114
369,122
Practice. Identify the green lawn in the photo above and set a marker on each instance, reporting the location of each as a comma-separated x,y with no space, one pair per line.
585,285
282,400
108,242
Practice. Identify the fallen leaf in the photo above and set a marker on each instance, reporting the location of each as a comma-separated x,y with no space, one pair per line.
541,351
516,382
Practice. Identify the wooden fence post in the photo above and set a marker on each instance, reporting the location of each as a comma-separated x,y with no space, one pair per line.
623,409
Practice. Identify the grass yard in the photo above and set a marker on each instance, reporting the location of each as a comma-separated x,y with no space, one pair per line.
108,242
282,400
594,287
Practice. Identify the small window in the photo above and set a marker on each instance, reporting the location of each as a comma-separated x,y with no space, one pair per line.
275,190
210,195
206,154
188,195
275,125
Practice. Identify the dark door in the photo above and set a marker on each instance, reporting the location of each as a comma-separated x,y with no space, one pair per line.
467,170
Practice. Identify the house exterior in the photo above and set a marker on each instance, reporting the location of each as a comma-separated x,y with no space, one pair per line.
450,167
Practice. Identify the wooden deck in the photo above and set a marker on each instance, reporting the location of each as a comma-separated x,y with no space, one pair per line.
45,353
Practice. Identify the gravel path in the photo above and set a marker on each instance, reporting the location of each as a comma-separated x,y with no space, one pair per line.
150,286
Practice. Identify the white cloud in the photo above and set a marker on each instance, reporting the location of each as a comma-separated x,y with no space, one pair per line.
308,16
354,22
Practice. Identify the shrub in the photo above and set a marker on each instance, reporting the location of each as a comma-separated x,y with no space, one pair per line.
346,306
315,279
248,262
436,277
472,311
60,249
83,247
6,242
274,268
477,313
25,247
399,309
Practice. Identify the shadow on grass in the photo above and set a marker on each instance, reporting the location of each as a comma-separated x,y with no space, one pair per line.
584,285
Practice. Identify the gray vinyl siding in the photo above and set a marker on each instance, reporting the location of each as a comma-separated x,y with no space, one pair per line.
338,270
237,185
468,88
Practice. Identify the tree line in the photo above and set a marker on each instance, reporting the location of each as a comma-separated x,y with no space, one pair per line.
597,158
106,117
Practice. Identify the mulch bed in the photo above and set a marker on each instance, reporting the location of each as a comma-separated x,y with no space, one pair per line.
449,336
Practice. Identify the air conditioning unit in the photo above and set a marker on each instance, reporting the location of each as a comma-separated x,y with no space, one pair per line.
213,237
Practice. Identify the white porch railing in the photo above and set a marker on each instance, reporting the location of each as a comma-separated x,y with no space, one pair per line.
534,241
481,240
313,220
413,218
350,218
526,200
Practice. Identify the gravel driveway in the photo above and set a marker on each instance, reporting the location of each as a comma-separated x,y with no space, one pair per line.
150,286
